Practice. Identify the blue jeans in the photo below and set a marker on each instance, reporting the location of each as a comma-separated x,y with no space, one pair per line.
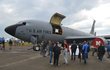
50,56
85,56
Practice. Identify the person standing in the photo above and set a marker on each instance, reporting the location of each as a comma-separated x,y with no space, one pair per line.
108,50
80,51
85,50
44,48
57,51
66,52
3,43
73,50
101,52
10,44
50,51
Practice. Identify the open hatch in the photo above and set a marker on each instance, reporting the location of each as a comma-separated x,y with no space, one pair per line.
55,21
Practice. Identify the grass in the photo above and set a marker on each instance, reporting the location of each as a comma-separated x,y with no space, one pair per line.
25,44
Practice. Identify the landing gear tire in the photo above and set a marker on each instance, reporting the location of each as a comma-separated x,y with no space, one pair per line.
36,48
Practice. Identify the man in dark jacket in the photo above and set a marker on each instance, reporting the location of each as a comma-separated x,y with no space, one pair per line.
101,52
3,44
57,51
73,50
10,44
80,51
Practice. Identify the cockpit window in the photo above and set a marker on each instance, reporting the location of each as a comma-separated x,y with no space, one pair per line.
24,23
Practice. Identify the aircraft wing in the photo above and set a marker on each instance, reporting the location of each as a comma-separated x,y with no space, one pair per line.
95,41
70,39
106,36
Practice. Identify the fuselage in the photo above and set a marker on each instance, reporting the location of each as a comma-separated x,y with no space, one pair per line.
43,31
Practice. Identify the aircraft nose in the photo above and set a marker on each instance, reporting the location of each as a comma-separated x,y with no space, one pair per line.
11,30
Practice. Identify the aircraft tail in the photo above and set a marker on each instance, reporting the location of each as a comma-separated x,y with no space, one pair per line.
92,29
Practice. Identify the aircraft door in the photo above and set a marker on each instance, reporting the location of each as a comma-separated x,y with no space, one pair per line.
55,21
34,39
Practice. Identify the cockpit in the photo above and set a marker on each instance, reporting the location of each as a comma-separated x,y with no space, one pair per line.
12,29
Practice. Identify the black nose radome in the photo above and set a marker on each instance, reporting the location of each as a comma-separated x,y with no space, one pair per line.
11,30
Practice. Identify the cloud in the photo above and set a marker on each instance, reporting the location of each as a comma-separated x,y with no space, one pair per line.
99,13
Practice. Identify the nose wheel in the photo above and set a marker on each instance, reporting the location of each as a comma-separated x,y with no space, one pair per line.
36,47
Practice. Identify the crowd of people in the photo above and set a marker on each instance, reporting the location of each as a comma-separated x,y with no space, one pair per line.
55,49
2,44
9,43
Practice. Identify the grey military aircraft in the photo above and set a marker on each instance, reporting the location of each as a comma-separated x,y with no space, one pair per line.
36,31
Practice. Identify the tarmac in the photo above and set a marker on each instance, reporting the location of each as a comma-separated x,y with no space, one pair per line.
20,58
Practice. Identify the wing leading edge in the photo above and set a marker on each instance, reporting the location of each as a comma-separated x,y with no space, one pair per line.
70,39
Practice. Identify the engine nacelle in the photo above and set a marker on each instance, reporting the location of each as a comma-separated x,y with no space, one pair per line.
98,41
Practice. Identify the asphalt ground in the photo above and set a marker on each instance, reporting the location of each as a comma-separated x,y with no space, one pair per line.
20,58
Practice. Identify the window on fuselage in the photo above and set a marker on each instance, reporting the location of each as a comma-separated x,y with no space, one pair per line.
34,30
30,30
57,29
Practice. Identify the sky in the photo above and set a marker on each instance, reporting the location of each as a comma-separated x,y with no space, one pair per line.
79,13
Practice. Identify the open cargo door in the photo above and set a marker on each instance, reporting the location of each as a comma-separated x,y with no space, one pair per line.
55,21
